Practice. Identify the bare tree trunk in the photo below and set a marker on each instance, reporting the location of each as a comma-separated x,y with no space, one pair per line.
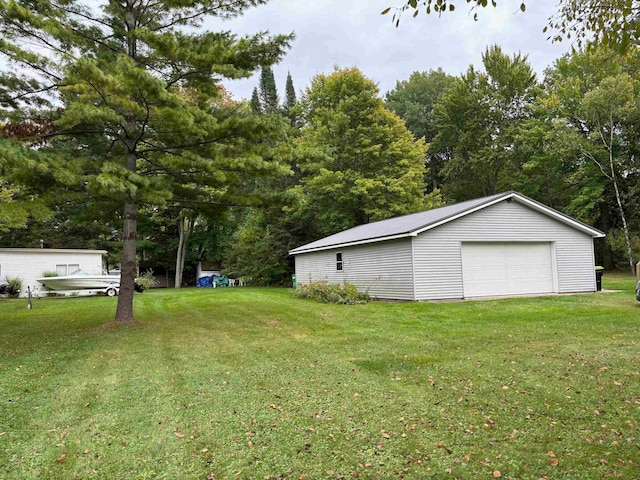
185,228
607,141
625,227
124,310
177,281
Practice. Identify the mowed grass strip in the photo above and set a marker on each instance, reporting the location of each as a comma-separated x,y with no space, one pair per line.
252,383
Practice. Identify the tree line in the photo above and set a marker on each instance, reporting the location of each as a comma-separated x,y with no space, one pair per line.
118,134
568,140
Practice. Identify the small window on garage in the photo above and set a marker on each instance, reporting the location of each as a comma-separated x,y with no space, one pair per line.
339,261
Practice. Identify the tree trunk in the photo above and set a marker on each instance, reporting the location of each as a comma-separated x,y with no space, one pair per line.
185,228
625,227
614,180
124,310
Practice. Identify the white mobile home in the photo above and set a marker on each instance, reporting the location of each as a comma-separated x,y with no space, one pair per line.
505,244
29,264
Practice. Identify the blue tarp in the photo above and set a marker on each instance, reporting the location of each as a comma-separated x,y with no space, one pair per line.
213,280
204,282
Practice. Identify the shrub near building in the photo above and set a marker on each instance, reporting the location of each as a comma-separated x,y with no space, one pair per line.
342,294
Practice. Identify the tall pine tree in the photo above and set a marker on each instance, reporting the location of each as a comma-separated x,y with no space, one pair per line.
256,104
290,98
136,81
268,91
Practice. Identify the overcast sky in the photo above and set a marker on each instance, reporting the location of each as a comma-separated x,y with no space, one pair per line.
348,33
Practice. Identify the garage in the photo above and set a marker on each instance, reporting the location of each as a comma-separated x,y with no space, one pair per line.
507,268
501,245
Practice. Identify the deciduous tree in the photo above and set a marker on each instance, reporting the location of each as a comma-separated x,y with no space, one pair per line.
591,98
413,100
361,163
478,119
613,23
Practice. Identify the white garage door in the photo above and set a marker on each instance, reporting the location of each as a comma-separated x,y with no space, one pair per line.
496,268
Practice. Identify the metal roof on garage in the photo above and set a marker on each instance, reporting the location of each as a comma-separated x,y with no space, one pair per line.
416,223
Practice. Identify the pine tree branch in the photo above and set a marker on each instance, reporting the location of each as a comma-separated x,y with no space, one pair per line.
35,92
191,145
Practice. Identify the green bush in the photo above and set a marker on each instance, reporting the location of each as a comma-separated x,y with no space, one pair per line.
49,274
342,294
15,285
145,281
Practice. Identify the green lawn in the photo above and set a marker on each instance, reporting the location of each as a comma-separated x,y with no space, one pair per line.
252,383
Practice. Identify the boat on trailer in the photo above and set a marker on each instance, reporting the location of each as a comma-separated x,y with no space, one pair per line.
82,281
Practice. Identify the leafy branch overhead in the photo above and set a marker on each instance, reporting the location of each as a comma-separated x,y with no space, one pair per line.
613,23
439,7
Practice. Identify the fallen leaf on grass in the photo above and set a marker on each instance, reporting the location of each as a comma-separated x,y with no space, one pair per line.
496,474
178,434
448,450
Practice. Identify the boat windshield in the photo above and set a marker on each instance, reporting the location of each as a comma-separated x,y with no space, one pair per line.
79,272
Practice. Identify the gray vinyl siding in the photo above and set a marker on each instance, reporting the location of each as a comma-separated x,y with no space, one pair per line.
438,260
382,269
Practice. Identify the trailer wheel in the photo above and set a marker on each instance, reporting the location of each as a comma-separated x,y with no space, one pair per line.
111,292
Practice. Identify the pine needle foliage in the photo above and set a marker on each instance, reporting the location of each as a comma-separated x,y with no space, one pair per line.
139,86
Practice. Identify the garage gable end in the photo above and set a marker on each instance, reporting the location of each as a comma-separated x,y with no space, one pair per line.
507,248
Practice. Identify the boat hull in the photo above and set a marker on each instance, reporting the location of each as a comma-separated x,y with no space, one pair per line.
80,282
